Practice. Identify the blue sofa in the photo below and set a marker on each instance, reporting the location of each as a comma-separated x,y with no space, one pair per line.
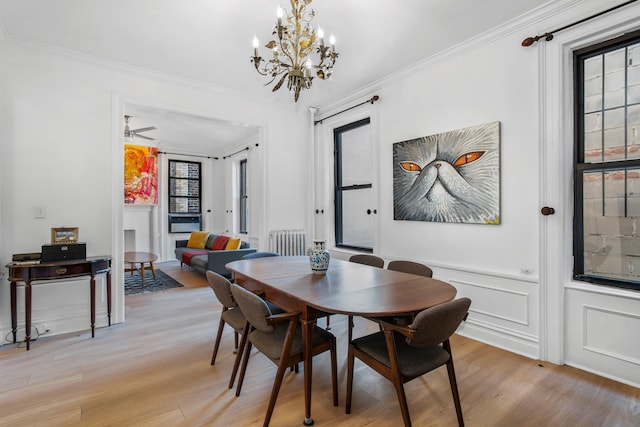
209,259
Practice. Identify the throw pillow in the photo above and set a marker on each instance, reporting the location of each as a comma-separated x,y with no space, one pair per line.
197,239
220,243
233,244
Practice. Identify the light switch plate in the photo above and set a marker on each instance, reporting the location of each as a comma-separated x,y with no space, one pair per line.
39,212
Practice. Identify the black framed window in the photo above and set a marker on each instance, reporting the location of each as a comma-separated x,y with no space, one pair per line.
243,197
184,186
607,163
353,186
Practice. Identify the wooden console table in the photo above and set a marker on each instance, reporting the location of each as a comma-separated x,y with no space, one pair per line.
28,273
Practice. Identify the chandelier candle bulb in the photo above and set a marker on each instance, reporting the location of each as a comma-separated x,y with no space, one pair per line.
256,43
321,36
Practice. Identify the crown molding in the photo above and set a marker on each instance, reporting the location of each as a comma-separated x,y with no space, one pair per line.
516,25
132,69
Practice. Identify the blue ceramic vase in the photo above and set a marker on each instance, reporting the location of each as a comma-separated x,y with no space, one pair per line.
319,257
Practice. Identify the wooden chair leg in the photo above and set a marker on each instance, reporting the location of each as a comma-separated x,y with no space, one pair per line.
396,377
235,341
274,391
334,372
350,330
402,400
239,353
216,345
243,369
350,358
454,384
328,320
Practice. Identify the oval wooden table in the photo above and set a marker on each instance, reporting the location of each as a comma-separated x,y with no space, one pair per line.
141,258
347,288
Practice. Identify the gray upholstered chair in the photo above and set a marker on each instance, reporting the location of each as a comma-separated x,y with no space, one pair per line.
366,259
260,255
278,337
231,315
401,354
410,267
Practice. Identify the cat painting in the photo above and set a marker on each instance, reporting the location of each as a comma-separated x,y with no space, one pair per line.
449,177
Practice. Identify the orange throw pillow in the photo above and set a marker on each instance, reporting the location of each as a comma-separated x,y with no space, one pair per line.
197,239
220,243
233,244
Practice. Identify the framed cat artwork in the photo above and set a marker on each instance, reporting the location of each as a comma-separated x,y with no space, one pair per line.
449,177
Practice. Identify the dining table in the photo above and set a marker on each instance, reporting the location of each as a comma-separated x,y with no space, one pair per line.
346,288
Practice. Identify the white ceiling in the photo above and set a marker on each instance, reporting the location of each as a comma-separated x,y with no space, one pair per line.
210,41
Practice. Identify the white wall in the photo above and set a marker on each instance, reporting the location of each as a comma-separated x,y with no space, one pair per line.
491,79
62,149
495,265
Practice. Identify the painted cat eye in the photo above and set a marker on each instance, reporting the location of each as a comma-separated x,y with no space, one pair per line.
410,166
468,158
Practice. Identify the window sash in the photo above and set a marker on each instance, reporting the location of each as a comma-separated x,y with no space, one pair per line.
353,188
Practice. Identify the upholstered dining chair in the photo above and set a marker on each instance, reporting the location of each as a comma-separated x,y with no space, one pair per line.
232,316
280,340
401,354
260,255
410,267
367,259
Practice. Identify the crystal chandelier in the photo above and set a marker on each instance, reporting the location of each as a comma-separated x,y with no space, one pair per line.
292,50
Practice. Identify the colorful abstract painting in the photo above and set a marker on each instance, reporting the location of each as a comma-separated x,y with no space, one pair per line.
140,175
449,177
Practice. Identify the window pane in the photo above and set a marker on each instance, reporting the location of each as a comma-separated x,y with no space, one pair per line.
593,137
614,142
356,156
592,200
593,84
614,193
633,132
357,225
614,86
633,193
633,74
611,245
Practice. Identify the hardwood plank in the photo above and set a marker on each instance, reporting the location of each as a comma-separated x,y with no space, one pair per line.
154,370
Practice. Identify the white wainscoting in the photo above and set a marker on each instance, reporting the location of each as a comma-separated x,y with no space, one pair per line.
504,309
603,331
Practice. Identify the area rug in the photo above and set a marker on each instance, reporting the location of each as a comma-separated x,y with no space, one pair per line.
162,282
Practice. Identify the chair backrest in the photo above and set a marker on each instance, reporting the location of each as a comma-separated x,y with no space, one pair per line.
253,307
436,324
221,287
371,260
410,267
260,255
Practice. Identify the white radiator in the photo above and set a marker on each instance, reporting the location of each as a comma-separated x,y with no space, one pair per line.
287,242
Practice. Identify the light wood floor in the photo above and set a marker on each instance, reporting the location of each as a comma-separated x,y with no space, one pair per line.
153,370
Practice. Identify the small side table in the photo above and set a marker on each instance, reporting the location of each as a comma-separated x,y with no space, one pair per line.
141,258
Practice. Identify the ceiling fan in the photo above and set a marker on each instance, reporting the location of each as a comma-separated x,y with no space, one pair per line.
130,133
